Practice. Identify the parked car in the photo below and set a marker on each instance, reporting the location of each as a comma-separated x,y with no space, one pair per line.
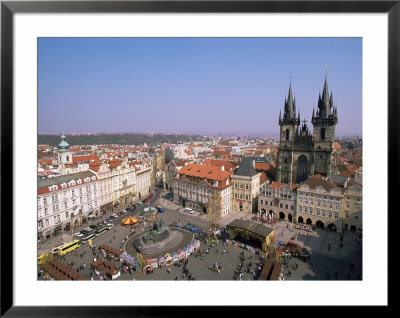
110,226
114,215
188,210
79,234
93,227
109,220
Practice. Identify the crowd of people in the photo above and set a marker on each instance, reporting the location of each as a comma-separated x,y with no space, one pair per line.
304,227
264,219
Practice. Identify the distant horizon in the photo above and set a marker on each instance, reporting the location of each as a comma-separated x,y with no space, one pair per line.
210,85
227,134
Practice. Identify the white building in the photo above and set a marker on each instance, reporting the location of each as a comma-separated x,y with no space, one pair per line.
65,202
104,178
123,181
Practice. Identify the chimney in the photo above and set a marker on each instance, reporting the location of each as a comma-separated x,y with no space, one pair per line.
254,164
222,168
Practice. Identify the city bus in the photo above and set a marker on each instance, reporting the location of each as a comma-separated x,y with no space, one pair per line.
101,230
68,247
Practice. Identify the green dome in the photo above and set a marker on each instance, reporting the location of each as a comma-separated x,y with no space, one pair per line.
63,144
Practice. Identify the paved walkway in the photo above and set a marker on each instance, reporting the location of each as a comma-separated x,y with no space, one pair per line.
327,257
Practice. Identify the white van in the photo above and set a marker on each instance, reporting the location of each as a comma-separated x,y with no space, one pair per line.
188,210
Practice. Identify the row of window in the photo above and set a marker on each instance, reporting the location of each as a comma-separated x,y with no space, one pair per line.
270,203
241,186
56,207
281,195
322,213
241,196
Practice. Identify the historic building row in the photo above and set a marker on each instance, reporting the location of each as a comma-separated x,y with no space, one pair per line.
70,199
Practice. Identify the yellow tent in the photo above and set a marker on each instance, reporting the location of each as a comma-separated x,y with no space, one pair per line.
44,258
129,221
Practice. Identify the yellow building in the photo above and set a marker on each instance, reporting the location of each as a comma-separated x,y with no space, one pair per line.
320,203
253,234
352,212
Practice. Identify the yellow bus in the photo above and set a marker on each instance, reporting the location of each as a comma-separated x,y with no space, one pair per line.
68,247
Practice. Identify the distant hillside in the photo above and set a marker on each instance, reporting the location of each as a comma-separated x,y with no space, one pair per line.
121,139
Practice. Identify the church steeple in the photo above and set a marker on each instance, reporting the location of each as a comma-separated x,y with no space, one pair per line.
325,119
289,113
324,102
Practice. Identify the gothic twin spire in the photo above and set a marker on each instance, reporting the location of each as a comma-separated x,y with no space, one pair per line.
325,103
325,106
290,108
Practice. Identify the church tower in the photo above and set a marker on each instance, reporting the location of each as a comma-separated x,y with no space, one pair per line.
63,152
324,122
289,125
300,154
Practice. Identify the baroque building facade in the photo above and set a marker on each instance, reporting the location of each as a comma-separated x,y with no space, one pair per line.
300,153
194,185
278,200
65,202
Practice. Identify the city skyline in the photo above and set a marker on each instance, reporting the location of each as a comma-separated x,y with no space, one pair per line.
193,85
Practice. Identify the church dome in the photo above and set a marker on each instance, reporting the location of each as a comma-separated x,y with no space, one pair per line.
64,145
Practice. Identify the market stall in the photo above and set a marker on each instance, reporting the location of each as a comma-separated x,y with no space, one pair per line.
168,259
161,261
175,257
181,254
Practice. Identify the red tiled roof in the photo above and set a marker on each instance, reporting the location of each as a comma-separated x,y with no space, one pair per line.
70,165
264,146
263,177
227,164
262,166
204,172
336,145
46,173
317,180
46,161
45,190
194,146
220,153
277,185
347,173
85,158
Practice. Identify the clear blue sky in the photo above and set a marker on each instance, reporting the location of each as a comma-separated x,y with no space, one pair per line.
205,85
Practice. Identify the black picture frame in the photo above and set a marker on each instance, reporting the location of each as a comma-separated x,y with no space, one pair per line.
8,8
